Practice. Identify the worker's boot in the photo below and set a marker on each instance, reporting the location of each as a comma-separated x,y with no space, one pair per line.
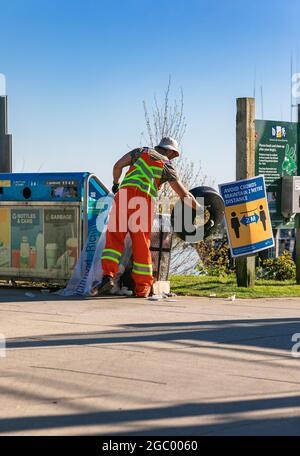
106,286
143,292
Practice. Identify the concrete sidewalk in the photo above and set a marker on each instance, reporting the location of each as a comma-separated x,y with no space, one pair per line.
127,366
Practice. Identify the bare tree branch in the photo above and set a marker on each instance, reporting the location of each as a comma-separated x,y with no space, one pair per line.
168,119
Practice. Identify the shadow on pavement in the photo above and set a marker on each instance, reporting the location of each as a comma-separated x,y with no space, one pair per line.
264,333
28,294
227,416
227,423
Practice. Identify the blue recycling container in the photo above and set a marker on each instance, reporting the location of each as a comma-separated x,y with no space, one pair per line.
45,219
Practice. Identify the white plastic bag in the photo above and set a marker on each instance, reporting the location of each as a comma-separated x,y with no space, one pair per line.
88,270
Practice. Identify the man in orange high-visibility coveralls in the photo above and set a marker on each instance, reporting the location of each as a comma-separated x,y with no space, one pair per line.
148,170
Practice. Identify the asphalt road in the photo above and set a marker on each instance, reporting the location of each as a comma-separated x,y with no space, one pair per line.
195,366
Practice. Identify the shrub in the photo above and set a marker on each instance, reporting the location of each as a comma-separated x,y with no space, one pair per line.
215,257
280,268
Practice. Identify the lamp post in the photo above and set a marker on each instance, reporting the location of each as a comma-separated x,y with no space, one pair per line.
5,139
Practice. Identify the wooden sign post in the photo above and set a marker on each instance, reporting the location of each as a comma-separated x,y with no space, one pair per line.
245,168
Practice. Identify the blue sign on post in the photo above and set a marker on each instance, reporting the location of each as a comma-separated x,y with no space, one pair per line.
247,216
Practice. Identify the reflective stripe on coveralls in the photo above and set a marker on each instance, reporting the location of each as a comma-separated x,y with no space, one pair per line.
157,172
142,269
137,182
141,170
111,254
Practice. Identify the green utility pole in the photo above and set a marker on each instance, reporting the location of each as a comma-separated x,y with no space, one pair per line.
245,168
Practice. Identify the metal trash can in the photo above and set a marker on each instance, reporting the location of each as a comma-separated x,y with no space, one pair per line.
212,217
45,219
161,245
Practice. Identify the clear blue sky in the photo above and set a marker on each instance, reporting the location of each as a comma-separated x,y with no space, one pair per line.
78,70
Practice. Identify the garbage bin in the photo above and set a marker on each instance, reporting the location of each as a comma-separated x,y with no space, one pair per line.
45,219
211,219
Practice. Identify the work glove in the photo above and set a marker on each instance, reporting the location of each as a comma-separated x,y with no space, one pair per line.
115,188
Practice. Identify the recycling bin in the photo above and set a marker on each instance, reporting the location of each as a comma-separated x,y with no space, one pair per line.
45,219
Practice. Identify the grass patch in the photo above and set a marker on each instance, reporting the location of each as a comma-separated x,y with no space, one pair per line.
224,287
